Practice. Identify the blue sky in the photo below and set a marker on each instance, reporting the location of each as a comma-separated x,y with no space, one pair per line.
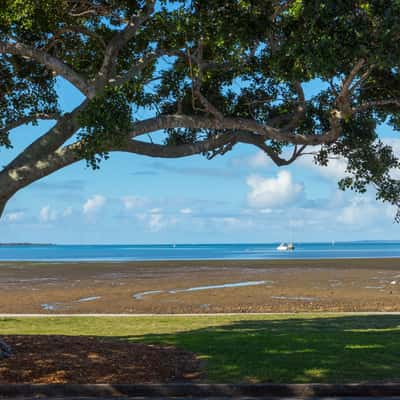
240,197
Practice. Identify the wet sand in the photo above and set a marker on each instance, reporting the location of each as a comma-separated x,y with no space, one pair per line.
201,286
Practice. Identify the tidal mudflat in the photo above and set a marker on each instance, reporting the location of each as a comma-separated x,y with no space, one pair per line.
201,286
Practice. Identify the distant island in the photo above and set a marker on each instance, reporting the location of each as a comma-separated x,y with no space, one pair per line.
26,244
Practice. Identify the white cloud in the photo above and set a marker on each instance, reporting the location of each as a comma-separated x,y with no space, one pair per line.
14,216
234,223
260,159
186,211
255,161
47,214
94,204
335,170
133,202
272,192
266,210
395,144
153,219
156,222
362,211
67,212
395,173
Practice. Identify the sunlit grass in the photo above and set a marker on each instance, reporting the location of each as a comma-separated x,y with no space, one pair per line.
365,346
275,348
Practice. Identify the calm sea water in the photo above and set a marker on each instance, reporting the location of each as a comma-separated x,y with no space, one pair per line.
370,249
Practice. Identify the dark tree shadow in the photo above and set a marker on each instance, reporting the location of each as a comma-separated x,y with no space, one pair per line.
334,349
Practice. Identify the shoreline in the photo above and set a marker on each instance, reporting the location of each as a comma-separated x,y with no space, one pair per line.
195,260
156,260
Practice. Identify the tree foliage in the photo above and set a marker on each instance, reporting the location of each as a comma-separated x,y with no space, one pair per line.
208,75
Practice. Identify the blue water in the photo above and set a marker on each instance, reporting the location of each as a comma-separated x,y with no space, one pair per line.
370,249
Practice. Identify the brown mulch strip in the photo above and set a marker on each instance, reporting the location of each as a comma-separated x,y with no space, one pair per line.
83,359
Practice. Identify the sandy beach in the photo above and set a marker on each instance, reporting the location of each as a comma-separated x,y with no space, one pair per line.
201,286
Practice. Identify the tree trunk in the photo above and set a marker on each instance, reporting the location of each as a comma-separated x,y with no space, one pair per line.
2,206
5,349
5,195
7,190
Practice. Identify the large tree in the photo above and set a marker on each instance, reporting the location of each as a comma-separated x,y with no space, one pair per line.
208,75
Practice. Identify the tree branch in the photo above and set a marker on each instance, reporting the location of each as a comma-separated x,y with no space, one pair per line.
208,107
15,178
210,144
28,119
197,81
279,8
76,29
82,8
345,87
377,103
137,68
301,108
44,156
250,138
120,39
232,124
50,62
174,151
343,99
65,127
362,78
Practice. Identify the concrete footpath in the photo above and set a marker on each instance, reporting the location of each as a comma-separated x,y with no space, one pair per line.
6,315
201,391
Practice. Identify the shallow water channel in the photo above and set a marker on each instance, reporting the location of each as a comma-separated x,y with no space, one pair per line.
140,296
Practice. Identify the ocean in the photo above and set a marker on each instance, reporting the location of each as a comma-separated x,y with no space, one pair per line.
56,253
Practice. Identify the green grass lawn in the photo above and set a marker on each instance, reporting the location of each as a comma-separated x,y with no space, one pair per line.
280,348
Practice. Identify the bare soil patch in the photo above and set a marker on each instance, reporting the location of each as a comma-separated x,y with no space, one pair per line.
80,359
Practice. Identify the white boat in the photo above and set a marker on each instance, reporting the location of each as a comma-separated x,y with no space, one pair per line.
285,247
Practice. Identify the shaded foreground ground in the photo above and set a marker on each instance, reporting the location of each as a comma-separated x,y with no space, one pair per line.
72,359
280,349
162,287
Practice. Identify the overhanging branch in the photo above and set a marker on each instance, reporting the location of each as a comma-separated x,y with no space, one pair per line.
50,62
232,124
50,141
29,118
174,151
